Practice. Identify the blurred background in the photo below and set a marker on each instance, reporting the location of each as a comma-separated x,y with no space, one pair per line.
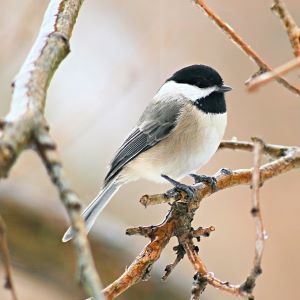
122,51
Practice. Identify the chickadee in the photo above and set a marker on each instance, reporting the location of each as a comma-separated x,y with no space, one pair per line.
178,133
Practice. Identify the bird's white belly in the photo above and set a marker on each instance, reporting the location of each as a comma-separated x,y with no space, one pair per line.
191,145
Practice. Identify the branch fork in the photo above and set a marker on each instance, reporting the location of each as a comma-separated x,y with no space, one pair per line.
264,68
180,215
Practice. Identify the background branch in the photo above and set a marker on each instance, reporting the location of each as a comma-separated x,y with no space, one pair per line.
46,148
293,31
9,283
250,282
263,66
24,127
267,77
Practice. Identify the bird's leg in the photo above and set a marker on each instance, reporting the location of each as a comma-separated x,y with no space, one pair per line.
189,190
212,181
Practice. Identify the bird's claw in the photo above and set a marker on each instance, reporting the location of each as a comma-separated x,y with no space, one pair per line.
225,171
189,190
212,181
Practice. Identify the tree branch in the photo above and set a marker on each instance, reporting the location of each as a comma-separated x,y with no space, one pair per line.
292,30
199,266
263,66
266,77
180,252
140,268
24,127
178,220
32,81
249,284
199,285
9,284
46,148
270,149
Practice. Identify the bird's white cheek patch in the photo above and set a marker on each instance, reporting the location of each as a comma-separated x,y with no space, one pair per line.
189,91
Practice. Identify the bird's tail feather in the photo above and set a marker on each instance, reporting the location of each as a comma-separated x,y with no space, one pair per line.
91,213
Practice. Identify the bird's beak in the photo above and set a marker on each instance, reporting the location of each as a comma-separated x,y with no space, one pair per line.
224,88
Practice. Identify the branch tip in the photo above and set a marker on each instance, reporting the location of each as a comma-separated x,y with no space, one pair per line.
197,233
180,252
167,197
292,30
141,230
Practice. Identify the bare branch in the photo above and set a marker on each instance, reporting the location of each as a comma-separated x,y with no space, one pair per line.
263,66
178,220
24,126
270,149
266,77
9,284
201,269
249,284
32,81
238,177
197,233
199,285
293,31
180,252
144,231
46,148
139,270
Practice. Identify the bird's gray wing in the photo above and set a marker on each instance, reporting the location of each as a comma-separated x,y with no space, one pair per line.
155,124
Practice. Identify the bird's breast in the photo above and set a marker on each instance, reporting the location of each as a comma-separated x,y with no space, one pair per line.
188,147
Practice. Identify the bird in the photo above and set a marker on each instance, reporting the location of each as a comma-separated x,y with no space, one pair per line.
178,132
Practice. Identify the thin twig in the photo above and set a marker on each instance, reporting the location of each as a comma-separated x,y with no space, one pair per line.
250,282
270,149
180,252
293,31
199,285
9,283
211,279
266,77
233,35
263,66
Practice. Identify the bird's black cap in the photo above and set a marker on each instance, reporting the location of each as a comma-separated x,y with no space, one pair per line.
199,75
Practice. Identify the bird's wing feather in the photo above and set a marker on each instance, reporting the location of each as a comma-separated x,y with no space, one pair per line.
156,123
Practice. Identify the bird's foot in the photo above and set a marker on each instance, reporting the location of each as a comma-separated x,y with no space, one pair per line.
225,171
189,190
212,181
